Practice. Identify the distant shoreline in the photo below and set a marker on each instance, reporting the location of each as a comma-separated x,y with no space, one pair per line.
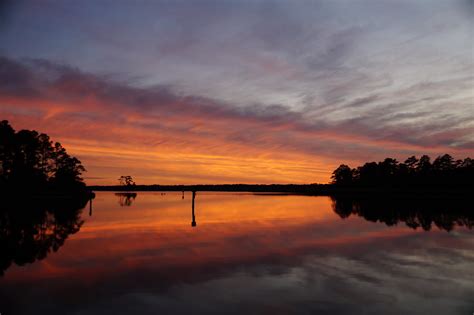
281,188
302,189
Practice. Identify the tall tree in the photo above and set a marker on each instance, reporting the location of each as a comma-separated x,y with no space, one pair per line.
342,175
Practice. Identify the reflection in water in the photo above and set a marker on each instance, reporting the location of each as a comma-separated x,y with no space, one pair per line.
276,254
126,199
193,223
31,229
446,214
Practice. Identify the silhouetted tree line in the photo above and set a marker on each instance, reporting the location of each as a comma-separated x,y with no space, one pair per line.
444,171
30,229
31,161
309,189
444,213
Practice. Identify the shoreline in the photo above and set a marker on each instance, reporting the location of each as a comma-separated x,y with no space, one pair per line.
308,189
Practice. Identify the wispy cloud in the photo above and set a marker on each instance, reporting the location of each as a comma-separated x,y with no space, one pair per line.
135,127
213,88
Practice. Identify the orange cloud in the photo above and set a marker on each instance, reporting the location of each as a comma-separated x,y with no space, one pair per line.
159,137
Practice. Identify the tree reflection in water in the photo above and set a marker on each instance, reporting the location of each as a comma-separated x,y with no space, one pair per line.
444,213
126,199
31,229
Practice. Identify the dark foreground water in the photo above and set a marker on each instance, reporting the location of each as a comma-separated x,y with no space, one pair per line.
257,254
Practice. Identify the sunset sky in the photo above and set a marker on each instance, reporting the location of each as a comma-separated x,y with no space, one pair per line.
185,92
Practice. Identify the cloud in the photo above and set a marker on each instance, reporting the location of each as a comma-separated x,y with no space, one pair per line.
77,105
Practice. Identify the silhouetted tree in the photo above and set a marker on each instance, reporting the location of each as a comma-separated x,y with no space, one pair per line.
388,170
424,165
126,180
368,173
342,175
30,161
443,163
411,163
420,173
7,139
68,169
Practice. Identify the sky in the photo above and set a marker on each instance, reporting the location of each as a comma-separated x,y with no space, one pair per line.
186,92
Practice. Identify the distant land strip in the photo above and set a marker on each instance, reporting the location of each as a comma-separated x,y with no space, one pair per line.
306,189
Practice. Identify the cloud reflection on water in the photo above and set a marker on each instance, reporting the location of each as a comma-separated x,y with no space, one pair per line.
258,254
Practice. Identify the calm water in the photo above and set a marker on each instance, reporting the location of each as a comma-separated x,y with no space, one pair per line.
270,254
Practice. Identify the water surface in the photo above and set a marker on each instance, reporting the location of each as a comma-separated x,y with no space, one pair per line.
276,254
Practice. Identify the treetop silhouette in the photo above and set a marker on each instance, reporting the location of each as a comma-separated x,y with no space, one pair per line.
126,180
444,171
31,161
